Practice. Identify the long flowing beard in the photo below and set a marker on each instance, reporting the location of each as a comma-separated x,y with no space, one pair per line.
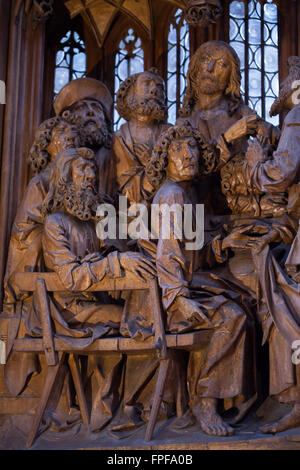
148,107
82,201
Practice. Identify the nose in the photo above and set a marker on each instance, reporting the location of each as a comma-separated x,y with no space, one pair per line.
153,91
211,65
90,175
70,138
188,154
90,111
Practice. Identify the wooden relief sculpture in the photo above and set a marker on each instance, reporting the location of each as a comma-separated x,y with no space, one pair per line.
242,282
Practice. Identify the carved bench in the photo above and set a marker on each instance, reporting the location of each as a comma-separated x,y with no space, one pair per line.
55,349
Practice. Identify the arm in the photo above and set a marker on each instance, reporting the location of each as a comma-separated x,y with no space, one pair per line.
76,274
170,258
277,174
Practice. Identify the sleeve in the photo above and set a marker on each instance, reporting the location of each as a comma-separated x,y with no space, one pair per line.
76,274
277,174
170,260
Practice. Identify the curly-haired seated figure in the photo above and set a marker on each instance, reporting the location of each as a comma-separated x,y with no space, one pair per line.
196,305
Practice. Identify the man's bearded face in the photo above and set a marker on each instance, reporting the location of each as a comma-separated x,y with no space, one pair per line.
80,196
147,97
90,117
214,69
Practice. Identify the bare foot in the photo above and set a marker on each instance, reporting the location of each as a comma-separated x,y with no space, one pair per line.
210,421
291,420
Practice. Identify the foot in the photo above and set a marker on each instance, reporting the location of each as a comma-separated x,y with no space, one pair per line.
210,421
185,421
291,420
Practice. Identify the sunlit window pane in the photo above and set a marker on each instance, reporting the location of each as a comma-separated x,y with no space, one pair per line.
178,58
128,60
70,61
254,36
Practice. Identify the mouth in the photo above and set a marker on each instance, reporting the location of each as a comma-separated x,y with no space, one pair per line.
91,122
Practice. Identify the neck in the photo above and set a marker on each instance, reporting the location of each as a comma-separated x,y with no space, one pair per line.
141,121
209,101
185,185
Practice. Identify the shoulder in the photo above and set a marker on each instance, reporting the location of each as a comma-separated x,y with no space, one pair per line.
56,220
293,117
170,193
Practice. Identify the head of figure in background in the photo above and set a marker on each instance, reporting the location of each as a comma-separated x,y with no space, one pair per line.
52,137
88,103
179,155
73,184
143,95
214,69
289,94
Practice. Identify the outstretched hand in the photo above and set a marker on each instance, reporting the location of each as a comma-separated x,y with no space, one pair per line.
245,126
238,238
137,264
258,244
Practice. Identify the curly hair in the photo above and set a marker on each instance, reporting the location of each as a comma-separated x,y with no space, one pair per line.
38,156
122,105
156,166
233,89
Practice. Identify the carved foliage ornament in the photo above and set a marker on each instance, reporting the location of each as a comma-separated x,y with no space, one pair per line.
203,12
42,9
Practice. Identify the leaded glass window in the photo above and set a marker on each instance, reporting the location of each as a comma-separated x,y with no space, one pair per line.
129,60
70,60
178,61
254,36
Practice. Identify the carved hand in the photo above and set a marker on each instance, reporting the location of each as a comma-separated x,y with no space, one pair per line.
190,310
258,244
255,153
137,264
143,152
245,126
237,239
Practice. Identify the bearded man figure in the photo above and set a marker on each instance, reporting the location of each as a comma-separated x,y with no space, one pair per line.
141,100
88,103
71,249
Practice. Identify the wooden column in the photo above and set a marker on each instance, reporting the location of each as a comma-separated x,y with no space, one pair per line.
4,29
22,116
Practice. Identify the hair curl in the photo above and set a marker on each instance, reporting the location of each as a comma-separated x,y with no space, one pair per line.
232,91
38,156
156,166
